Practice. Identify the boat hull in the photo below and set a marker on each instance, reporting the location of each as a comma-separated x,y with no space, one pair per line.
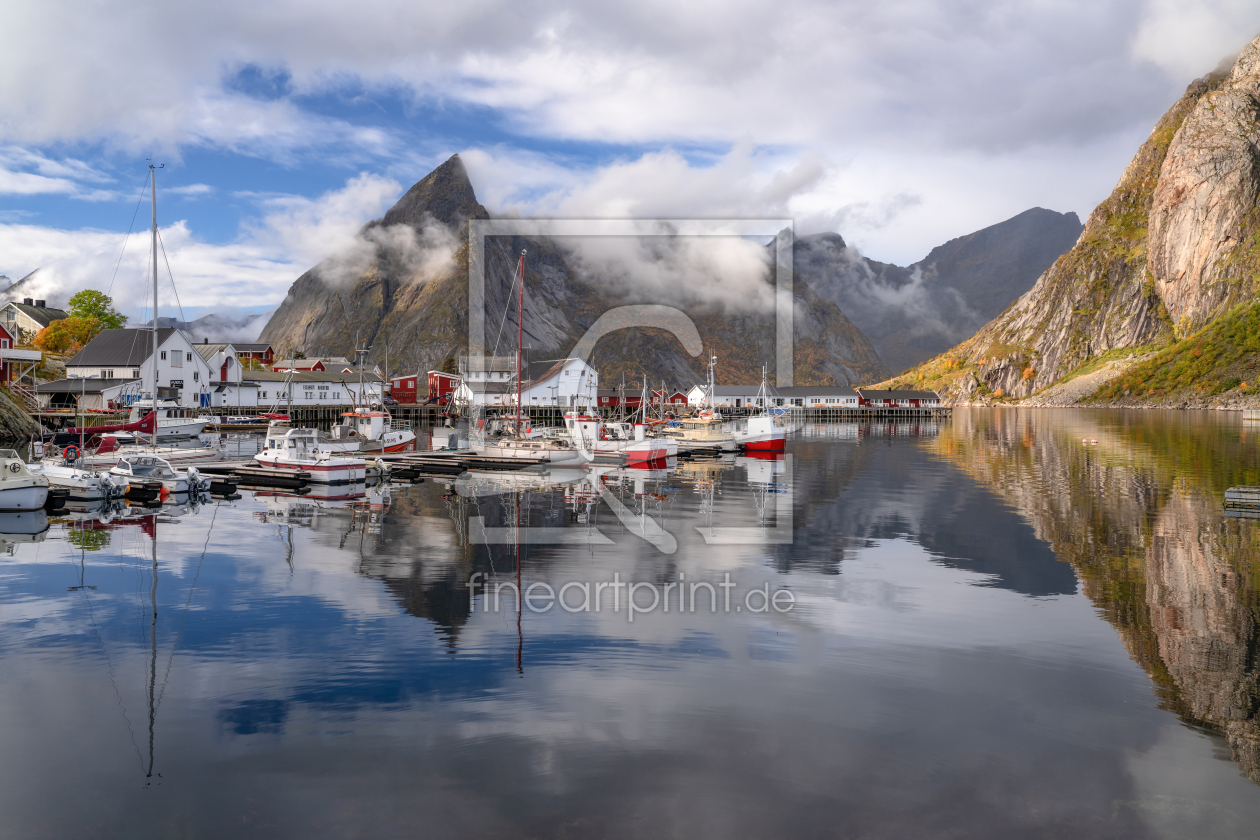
764,444
27,497
333,472
635,452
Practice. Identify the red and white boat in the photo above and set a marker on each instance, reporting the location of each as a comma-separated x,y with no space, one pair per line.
299,449
759,433
618,442
369,431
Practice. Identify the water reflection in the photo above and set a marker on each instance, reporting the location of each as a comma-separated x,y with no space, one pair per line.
317,664
1133,502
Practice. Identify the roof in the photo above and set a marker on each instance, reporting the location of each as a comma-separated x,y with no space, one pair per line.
120,348
489,387
871,394
251,348
476,364
306,376
814,391
298,363
209,351
82,385
43,315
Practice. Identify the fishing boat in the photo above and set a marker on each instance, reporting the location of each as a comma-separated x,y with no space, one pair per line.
141,468
20,490
299,449
704,430
369,431
760,433
616,442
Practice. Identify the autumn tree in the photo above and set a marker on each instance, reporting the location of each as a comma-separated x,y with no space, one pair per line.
67,335
90,303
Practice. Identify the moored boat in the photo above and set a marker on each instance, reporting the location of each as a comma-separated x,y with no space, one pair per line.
299,449
84,484
139,467
617,442
20,490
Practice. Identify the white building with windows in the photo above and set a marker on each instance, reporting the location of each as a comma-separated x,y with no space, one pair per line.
560,383
128,354
312,388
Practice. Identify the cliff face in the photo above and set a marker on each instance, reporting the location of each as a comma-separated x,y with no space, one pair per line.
1174,247
406,287
912,313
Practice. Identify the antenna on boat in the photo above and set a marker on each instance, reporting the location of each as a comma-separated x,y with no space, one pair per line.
520,338
153,185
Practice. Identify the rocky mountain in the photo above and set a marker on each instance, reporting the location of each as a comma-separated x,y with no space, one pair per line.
405,287
913,313
1174,248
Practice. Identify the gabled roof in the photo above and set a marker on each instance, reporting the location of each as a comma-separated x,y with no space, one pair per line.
251,348
43,315
814,391
871,394
308,376
209,351
120,348
76,386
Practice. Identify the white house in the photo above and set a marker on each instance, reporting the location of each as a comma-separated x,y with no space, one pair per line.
726,396
308,388
128,354
562,383
28,317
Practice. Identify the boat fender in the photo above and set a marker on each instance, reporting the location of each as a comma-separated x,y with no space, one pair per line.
66,453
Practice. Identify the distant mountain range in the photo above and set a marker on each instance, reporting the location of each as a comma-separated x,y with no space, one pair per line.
406,287
911,314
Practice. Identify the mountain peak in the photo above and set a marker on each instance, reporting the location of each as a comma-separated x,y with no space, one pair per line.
445,194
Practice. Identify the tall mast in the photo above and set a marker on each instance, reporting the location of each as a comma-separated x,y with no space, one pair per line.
520,337
153,194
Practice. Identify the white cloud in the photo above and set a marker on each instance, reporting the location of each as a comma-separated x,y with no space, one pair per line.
293,235
1188,37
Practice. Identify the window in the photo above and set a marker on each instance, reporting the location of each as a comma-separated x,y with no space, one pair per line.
189,357
4,344
135,373
107,374
164,355
195,375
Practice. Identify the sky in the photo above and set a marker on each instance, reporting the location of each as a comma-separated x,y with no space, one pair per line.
283,126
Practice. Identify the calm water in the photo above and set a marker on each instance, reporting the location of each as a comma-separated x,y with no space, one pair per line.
994,630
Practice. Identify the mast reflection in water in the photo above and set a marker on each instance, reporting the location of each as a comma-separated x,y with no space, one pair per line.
997,630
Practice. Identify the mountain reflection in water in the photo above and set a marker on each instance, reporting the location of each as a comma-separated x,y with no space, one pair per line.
998,631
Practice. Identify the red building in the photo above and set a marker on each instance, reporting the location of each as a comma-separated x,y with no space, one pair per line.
6,366
611,398
441,384
671,398
257,352
284,365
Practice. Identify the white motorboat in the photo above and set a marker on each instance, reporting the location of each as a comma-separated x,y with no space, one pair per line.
706,430
174,422
20,490
299,449
84,484
552,450
368,431
139,467
619,443
103,451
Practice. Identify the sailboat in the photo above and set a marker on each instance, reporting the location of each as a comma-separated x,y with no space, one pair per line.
553,450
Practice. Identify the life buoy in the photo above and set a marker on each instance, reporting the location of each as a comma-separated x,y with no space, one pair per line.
66,453
603,433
